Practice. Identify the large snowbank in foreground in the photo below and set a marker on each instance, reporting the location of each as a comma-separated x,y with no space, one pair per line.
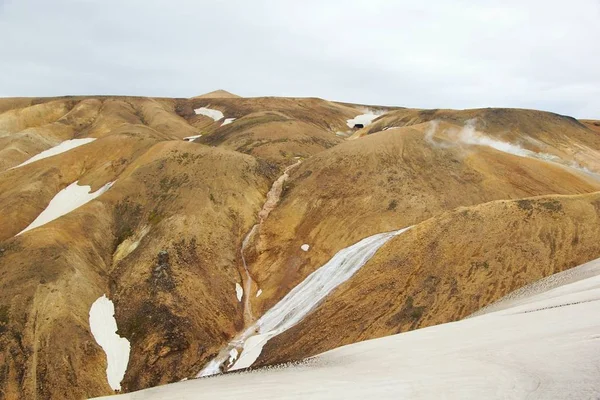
543,346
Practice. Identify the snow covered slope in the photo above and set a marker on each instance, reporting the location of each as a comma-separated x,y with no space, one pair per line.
58,149
65,201
543,346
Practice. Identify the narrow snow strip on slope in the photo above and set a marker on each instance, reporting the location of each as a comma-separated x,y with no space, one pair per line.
209,112
191,138
60,148
364,119
300,301
104,328
65,201
227,121
239,292
548,353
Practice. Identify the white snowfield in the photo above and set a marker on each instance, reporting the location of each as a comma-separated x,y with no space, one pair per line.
209,112
364,119
65,201
305,247
227,121
299,302
104,328
544,346
58,149
191,138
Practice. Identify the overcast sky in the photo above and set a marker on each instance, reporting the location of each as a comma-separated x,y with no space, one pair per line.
434,54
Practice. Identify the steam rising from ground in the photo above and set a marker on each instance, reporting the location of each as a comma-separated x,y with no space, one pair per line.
470,136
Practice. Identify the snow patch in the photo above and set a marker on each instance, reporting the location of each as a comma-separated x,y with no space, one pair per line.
209,112
65,201
58,149
259,292
305,247
227,121
239,292
192,138
104,329
252,348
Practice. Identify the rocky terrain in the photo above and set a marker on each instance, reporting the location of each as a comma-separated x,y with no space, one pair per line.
179,212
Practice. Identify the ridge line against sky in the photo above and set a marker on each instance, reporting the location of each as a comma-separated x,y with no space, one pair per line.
533,54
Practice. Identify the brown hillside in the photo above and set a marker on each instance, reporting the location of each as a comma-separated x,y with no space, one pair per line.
383,182
446,268
164,242
175,318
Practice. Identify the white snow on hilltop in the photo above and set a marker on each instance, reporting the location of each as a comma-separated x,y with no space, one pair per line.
227,121
239,291
104,328
58,149
542,345
209,112
65,201
305,247
364,119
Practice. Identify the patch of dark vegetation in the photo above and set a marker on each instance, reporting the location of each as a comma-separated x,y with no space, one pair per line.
596,205
185,158
286,188
480,264
552,205
428,115
571,120
155,217
4,314
174,182
186,251
408,314
392,206
527,206
304,175
127,216
266,168
431,283
138,113
161,277
152,318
